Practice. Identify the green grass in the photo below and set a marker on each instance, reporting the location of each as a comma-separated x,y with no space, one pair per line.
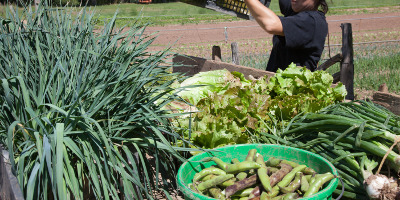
341,4
375,64
161,14
183,13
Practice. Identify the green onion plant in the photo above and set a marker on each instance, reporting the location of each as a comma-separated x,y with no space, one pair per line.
82,109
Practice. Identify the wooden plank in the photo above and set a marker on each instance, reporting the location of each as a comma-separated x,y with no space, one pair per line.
347,63
9,187
387,100
235,53
192,65
335,59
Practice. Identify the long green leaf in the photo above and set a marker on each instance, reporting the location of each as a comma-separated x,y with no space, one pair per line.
60,159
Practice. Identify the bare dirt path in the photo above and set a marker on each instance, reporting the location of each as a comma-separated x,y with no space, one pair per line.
214,33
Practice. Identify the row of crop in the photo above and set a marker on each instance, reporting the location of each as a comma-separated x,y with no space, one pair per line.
81,109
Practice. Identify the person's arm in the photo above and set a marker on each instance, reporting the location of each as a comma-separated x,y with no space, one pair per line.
265,17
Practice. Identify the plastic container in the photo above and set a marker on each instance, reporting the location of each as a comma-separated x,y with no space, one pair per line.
227,153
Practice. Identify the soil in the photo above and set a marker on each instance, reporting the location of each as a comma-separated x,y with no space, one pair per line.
388,20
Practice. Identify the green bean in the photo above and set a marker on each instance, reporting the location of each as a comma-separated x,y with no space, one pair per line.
260,160
240,176
264,196
243,193
277,198
274,192
208,177
308,177
213,182
273,162
312,180
241,167
317,184
306,170
235,160
294,185
289,177
304,184
264,178
216,193
221,164
251,155
291,163
309,171
208,171
290,196
191,186
228,182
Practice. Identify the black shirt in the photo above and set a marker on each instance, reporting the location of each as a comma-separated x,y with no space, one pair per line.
304,39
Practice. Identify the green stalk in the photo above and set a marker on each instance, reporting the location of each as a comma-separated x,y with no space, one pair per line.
378,150
319,124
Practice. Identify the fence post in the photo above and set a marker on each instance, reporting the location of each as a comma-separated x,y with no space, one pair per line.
347,63
235,53
216,53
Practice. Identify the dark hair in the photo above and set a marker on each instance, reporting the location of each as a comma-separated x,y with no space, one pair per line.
323,5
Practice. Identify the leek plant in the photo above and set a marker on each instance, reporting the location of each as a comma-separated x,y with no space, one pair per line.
82,109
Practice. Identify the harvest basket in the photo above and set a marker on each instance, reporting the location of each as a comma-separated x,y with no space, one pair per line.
233,7
227,153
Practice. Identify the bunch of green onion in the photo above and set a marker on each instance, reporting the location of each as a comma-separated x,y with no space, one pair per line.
354,136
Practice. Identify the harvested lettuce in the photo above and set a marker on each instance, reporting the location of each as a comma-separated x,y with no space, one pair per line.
295,90
203,83
232,109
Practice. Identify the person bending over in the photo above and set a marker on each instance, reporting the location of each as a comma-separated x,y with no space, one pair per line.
299,35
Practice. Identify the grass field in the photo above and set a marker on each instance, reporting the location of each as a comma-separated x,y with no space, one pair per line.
183,13
160,14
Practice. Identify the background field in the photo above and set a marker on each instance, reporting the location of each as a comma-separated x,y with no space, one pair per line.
183,13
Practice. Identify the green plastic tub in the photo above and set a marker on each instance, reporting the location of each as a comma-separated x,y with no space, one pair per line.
227,153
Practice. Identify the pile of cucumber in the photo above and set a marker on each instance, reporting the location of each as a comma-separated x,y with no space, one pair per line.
254,179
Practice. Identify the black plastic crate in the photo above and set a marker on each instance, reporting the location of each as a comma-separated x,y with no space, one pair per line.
232,7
